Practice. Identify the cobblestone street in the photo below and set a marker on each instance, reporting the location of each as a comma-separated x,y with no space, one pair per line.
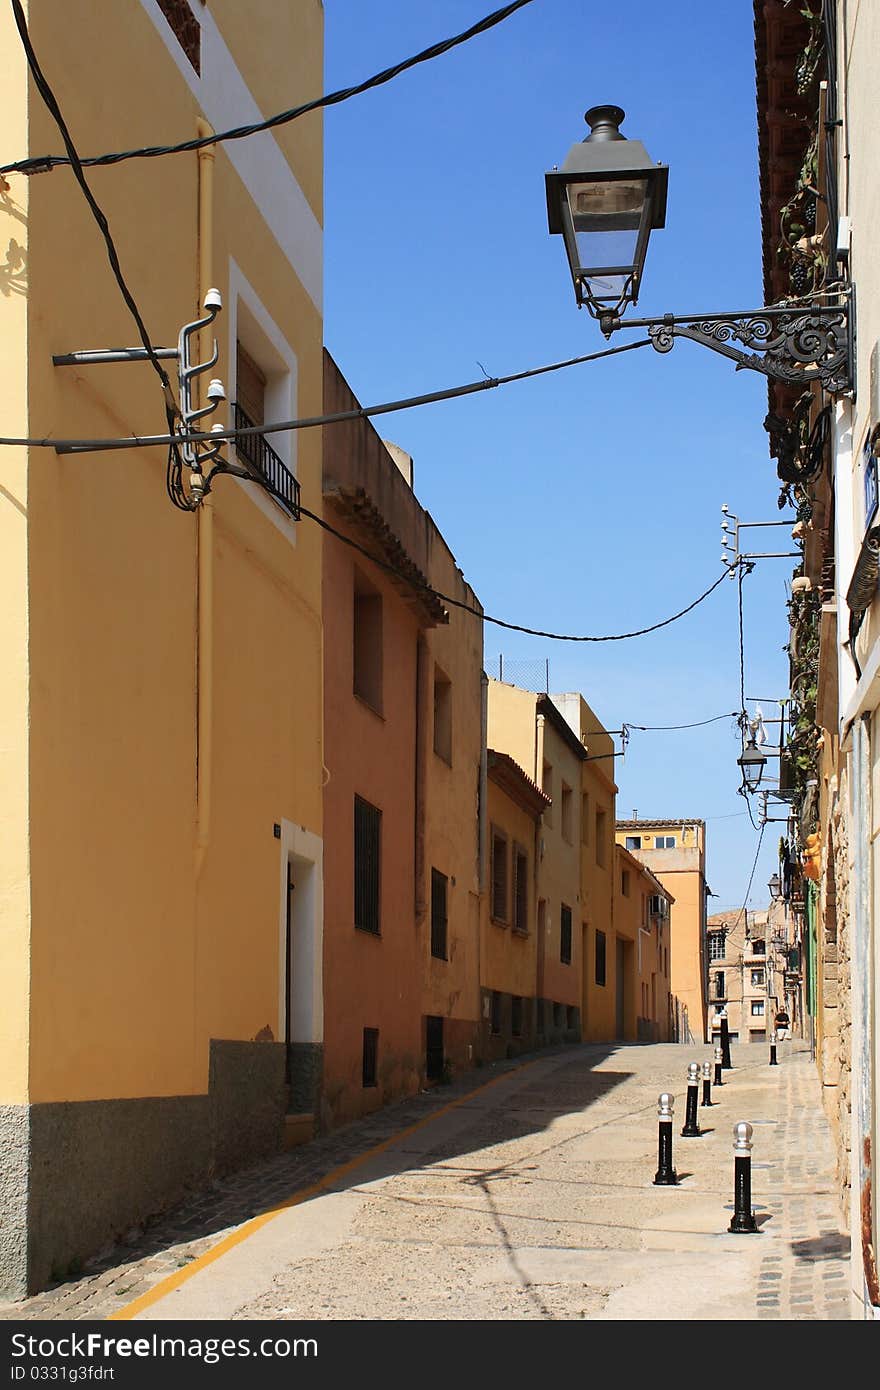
530,1197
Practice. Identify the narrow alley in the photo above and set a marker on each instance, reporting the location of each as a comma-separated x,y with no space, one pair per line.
521,1191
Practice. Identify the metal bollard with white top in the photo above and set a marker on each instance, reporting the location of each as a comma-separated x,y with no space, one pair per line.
707,1084
691,1128
743,1221
718,1058
666,1175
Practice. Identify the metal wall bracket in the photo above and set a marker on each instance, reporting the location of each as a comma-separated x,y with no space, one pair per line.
794,345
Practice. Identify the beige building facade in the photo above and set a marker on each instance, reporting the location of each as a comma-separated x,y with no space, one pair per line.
161,688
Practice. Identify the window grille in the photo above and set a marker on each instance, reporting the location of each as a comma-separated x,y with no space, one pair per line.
520,891
371,1055
439,887
565,935
367,852
600,958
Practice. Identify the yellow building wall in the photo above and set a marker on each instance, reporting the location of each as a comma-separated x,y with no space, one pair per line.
15,906
530,739
508,960
138,939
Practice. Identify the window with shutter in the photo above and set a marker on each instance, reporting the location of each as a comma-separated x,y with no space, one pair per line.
499,876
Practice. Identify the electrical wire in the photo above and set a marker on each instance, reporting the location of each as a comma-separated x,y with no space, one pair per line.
751,876
500,622
97,212
39,164
363,412
655,728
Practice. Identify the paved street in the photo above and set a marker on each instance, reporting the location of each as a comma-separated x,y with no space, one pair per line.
530,1197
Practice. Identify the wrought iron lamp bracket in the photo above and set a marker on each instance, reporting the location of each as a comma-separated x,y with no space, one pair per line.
794,345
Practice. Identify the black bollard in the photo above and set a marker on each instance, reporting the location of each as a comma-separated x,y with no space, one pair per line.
718,1081
691,1128
725,1042
666,1175
773,1061
743,1221
707,1084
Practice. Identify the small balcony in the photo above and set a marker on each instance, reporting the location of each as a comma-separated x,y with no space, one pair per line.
260,458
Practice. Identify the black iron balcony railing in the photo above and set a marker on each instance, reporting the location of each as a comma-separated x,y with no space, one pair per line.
262,460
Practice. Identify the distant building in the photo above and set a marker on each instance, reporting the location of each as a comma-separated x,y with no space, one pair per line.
675,852
746,974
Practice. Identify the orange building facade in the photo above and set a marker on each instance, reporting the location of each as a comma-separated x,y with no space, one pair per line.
403,738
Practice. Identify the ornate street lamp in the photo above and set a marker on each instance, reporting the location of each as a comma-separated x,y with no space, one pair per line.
605,201
751,762
775,888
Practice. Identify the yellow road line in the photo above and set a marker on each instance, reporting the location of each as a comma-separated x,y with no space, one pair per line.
174,1281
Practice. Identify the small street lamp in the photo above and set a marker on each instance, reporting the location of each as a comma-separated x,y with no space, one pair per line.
775,888
751,763
605,201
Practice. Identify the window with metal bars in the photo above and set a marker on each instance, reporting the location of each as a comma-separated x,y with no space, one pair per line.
496,1011
516,1016
434,1058
565,935
520,891
371,1057
439,890
367,865
600,958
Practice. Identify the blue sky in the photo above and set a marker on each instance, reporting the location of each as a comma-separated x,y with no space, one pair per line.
586,501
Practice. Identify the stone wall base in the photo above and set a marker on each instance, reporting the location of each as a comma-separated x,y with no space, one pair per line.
78,1175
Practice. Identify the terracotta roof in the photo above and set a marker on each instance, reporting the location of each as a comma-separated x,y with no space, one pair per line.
511,778
681,821
358,508
784,124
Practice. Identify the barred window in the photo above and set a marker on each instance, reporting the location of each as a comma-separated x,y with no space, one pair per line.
370,1056
520,890
439,887
600,958
367,863
565,935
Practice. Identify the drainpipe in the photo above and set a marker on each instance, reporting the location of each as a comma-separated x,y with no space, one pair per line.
482,837
865,1279
539,828
482,830
205,535
422,664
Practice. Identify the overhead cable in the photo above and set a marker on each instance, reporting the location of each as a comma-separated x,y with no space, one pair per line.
500,622
658,728
39,164
361,412
97,212
751,875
